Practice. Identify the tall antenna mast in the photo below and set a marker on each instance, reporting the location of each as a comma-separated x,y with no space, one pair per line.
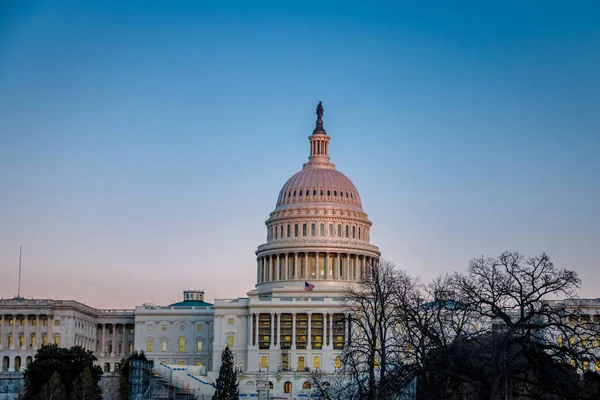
19,289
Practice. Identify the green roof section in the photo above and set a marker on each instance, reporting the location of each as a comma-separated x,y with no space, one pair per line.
191,303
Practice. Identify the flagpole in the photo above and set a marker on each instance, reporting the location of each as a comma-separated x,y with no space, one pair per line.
19,287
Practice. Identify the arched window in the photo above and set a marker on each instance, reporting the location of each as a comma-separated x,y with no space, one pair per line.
294,193
307,192
322,230
347,231
313,230
346,194
339,231
287,387
353,232
181,344
329,193
321,192
275,230
335,193
281,232
295,229
288,230
330,229
314,192
359,232
303,229
306,385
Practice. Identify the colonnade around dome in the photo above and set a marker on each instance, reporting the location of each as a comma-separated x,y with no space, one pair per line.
313,266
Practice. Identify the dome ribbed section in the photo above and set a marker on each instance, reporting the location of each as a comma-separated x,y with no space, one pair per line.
319,185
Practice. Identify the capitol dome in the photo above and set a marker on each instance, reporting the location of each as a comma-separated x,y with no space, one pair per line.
318,230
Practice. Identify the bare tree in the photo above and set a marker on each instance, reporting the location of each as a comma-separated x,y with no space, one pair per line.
110,384
501,328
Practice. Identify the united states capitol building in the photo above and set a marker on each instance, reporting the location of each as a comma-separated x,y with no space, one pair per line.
291,323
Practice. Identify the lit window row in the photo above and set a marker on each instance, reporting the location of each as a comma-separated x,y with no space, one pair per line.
341,231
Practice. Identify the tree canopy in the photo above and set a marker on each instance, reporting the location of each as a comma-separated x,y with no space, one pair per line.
59,373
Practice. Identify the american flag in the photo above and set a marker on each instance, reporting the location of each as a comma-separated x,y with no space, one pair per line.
308,287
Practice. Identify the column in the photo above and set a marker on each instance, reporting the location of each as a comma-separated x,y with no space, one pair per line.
257,271
3,332
15,339
309,336
50,322
336,271
296,266
326,265
250,331
256,329
305,266
25,338
331,330
124,345
364,267
103,348
276,258
279,330
272,341
286,267
114,339
37,331
317,267
294,331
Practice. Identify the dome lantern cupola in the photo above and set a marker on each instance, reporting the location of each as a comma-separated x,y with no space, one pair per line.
319,143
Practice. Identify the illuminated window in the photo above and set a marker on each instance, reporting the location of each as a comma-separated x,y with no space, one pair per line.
230,321
317,362
56,340
34,341
33,322
199,345
10,341
149,346
200,328
21,341
572,341
11,321
56,322
287,387
573,363
21,322
130,348
586,366
264,362
560,341
198,363
45,322
230,341
182,344
338,362
597,365
306,385
130,330
164,327
163,345
44,340
180,362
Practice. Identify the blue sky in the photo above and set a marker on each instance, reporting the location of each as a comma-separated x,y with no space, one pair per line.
143,144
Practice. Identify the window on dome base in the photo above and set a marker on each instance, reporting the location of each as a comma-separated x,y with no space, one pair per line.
313,230
321,192
303,229
307,192
330,229
322,230
288,230
339,233
335,193
329,193
314,192
347,231
296,230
